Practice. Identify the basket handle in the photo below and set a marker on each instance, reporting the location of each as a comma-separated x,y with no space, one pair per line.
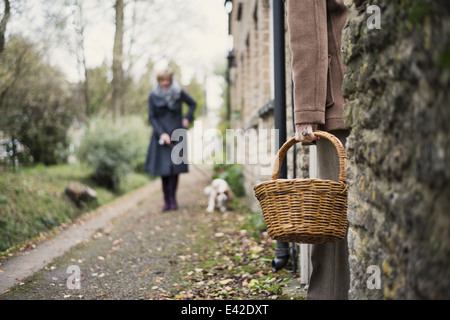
323,134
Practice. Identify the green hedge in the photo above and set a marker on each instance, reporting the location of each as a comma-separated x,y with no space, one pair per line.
112,148
231,173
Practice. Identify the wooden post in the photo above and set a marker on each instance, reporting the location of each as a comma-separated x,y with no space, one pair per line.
305,249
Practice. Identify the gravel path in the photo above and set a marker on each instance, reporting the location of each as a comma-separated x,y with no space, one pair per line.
124,250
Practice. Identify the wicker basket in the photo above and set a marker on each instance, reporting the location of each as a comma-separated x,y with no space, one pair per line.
305,210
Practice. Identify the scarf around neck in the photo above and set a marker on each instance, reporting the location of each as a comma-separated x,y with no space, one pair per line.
170,96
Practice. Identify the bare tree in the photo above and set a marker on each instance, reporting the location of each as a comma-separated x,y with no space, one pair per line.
3,22
117,68
81,57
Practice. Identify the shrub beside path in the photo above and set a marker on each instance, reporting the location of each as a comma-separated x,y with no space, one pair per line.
130,249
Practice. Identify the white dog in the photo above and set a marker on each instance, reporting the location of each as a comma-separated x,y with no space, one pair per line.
219,194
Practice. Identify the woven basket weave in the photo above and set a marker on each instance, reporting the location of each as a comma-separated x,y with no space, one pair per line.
305,210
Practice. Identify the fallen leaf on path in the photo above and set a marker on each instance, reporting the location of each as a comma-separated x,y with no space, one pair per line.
144,272
226,281
253,283
101,294
117,241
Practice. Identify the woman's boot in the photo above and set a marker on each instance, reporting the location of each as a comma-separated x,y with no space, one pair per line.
173,205
166,192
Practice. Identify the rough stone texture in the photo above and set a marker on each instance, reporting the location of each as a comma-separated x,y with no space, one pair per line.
251,74
78,193
397,83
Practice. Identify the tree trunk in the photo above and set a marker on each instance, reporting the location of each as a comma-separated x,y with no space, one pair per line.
117,81
85,88
81,53
3,23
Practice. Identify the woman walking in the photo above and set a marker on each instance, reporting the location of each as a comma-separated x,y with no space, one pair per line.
165,115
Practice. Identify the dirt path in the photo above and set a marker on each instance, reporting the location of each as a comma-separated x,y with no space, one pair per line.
137,214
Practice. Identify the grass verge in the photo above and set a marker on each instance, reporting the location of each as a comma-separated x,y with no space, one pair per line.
33,203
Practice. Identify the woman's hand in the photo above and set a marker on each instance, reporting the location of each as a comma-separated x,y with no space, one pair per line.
165,138
185,123
304,133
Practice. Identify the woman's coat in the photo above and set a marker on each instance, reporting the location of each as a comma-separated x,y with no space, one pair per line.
166,120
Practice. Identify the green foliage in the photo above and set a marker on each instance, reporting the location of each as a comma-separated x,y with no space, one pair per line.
444,61
268,284
32,201
256,224
113,148
196,91
232,174
417,10
136,96
98,89
31,204
35,104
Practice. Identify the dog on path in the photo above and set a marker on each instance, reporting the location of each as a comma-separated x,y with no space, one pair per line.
220,194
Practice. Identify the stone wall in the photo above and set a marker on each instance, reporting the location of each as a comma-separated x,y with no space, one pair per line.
251,76
397,84
250,84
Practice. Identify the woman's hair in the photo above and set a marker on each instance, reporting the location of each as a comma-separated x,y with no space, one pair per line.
165,74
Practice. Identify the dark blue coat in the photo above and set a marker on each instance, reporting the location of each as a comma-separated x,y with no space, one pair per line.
165,120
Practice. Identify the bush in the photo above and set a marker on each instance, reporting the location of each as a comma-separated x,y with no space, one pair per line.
113,148
232,174
36,108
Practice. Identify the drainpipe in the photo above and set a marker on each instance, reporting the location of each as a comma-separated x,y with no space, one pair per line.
282,251
279,76
228,4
